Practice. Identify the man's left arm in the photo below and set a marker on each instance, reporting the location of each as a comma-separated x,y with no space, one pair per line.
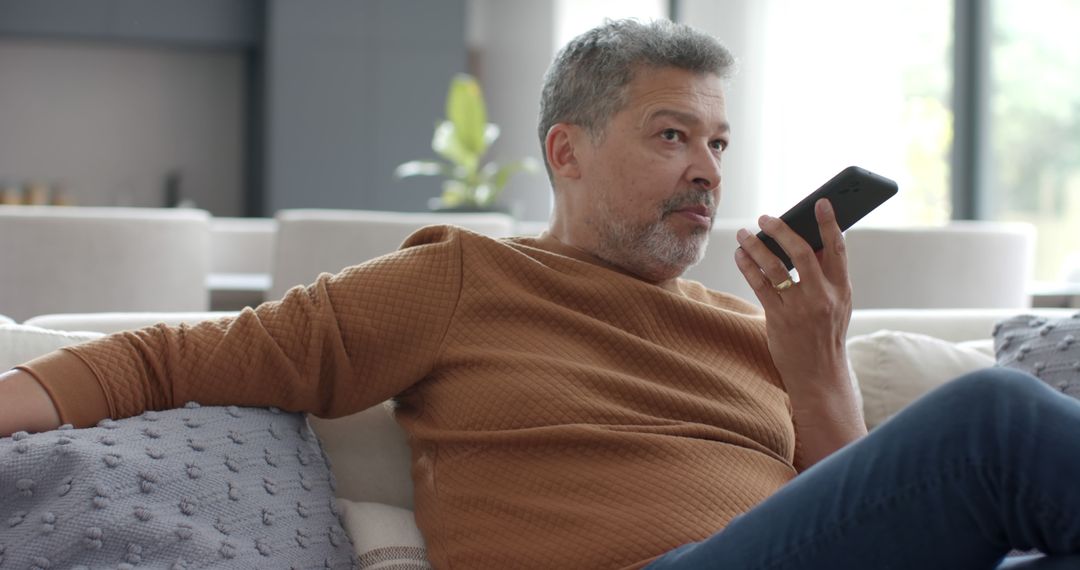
807,325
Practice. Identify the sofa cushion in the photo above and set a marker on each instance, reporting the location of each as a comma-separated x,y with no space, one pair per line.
1046,348
894,368
384,536
374,468
194,487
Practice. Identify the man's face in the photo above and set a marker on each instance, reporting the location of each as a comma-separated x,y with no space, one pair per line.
651,184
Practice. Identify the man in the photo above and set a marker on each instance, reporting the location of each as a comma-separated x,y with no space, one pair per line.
572,403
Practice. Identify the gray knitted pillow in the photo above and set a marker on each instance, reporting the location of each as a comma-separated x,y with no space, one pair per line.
1046,348
194,487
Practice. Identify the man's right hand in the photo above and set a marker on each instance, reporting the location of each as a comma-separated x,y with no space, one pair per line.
25,405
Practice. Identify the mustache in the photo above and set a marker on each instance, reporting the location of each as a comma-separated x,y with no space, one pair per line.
687,199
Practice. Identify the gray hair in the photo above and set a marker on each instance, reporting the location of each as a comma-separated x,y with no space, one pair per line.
586,83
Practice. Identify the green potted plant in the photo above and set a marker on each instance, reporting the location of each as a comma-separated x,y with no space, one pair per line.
462,139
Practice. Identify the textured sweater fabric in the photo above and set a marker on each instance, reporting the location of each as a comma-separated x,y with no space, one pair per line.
562,414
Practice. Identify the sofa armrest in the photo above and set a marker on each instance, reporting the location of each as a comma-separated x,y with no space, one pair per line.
115,322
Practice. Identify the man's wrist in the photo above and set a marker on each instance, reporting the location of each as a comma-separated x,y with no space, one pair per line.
823,386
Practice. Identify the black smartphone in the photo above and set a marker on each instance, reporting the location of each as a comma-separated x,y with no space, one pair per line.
853,193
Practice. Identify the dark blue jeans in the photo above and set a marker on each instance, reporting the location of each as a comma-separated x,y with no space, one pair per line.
988,463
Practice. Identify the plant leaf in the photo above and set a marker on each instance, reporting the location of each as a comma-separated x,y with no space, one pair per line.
501,175
465,109
448,145
485,195
454,193
491,132
423,168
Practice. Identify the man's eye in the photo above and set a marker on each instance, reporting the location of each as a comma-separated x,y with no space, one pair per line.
718,145
670,134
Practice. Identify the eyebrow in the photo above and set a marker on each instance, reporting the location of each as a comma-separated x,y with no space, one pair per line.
687,118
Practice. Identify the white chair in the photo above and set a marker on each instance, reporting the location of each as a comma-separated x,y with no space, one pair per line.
310,242
241,259
958,265
242,245
955,266
67,259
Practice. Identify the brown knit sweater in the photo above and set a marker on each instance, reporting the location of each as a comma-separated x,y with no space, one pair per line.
562,414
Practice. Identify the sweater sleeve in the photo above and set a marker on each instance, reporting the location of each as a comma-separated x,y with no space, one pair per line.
342,344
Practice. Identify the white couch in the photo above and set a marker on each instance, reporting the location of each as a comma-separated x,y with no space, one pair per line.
896,355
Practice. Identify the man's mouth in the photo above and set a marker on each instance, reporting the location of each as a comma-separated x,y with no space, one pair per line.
699,214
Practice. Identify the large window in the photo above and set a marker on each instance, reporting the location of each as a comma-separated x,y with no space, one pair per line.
826,84
573,17
1033,106
865,83
981,94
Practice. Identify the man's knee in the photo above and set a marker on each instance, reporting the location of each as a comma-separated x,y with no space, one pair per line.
989,394
1005,384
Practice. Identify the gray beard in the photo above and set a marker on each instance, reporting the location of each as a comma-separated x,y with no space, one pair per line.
652,249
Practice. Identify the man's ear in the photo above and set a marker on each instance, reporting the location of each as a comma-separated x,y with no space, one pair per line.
561,145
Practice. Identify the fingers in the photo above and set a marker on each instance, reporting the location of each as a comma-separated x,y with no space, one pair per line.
759,283
834,251
763,259
801,254
763,270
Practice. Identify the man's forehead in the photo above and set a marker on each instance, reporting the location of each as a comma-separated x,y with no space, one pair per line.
648,80
678,94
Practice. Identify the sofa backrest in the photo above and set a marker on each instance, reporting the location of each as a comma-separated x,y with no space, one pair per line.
115,322
953,325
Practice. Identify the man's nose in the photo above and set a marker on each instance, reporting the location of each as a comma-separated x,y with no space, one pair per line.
704,171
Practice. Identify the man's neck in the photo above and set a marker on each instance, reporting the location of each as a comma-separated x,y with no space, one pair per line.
549,240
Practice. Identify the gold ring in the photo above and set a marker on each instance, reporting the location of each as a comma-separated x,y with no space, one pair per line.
784,285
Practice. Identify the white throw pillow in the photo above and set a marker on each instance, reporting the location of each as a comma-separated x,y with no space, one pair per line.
384,536
895,368
20,343
982,346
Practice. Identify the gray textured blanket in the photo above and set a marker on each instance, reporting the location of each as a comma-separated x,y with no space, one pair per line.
189,488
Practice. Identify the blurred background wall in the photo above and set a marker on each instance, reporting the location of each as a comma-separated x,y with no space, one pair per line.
244,107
